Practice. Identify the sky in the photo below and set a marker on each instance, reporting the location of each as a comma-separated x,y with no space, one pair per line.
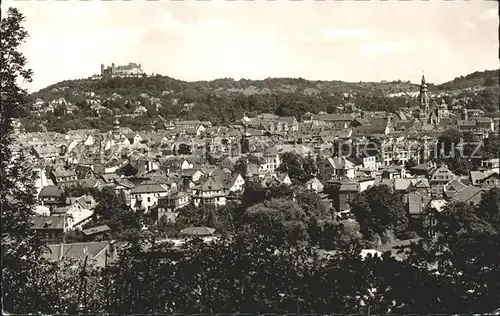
316,40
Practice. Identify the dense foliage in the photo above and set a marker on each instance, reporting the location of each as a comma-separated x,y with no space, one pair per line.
223,101
23,270
463,151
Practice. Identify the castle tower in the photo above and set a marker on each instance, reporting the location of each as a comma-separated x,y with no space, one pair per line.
102,69
424,98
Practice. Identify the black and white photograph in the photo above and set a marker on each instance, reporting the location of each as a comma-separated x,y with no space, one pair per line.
250,157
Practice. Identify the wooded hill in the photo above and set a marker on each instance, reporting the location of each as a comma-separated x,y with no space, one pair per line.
224,101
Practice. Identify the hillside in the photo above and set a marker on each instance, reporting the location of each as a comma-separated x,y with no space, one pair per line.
475,80
247,87
143,103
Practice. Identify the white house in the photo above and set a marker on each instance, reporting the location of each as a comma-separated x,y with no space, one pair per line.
210,192
145,196
233,182
338,166
272,159
89,141
42,180
370,163
134,139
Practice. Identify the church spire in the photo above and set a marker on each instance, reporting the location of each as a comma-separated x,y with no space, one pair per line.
424,97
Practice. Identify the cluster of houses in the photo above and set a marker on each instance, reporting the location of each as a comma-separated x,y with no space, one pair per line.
160,172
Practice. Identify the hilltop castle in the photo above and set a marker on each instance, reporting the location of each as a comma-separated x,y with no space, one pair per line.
130,70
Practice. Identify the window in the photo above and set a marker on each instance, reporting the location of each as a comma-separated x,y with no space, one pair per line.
149,199
471,203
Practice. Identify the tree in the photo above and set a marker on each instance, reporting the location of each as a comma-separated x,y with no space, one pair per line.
455,149
458,219
312,205
112,211
241,167
378,210
295,166
22,266
410,164
277,220
447,143
310,166
491,145
489,81
489,207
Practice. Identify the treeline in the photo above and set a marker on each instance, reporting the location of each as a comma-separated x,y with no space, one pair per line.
478,78
271,264
221,101
224,101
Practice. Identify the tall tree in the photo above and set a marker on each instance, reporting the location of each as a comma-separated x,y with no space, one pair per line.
489,207
293,164
379,210
21,249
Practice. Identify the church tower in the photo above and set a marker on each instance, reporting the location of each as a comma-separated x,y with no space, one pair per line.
116,126
424,99
244,141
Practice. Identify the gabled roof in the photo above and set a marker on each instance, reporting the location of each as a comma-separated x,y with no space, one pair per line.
148,188
484,120
76,251
48,222
124,182
491,175
50,191
82,170
467,193
348,185
109,177
64,173
442,170
271,151
477,176
91,183
402,184
212,184
333,117
421,183
96,230
466,123
282,176
340,163
454,186
189,172
228,179
421,167
370,130
198,231
437,204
